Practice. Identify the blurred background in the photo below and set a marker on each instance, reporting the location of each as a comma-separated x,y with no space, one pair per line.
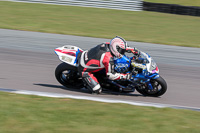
132,19
30,30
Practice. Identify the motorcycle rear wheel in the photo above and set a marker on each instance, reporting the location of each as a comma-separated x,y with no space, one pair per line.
159,88
67,75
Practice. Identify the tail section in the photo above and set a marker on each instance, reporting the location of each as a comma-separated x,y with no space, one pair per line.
68,54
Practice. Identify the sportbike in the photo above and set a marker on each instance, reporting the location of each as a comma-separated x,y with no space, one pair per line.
145,73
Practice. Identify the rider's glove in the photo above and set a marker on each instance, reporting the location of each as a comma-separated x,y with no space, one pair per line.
136,51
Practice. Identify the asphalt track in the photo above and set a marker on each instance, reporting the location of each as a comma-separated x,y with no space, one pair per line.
28,61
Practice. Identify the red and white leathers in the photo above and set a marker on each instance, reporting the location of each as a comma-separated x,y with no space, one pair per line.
94,60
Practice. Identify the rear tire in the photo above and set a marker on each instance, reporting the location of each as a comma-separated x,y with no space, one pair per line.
67,75
159,88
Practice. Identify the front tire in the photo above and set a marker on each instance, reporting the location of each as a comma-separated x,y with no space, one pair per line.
159,88
67,75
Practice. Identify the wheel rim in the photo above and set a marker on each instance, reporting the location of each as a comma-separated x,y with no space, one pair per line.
68,77
159,88
156,87
64,76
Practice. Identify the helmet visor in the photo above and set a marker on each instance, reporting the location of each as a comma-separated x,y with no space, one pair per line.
121,51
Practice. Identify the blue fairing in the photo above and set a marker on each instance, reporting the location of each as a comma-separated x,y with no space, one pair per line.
77,52
154,76
146,75
122,64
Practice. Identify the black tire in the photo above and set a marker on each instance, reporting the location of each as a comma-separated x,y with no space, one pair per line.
159,85
67,75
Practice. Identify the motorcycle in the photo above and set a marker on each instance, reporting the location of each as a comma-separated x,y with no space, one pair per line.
145,73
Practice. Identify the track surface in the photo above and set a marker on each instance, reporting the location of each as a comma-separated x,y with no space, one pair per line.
27,62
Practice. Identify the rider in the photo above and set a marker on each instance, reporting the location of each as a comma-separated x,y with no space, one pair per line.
101,57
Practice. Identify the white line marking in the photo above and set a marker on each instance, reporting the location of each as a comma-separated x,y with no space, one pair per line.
137,103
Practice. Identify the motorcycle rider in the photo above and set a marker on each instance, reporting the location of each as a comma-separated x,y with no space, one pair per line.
100,57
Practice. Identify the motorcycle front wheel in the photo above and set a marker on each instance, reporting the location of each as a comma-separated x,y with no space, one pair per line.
67,75
159,88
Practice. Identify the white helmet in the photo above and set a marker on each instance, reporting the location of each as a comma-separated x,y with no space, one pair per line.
118,46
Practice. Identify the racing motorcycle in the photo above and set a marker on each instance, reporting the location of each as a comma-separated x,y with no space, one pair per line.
145,73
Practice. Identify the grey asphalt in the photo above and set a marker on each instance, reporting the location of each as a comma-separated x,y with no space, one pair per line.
28,61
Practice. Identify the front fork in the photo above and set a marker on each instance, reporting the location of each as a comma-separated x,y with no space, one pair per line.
153,76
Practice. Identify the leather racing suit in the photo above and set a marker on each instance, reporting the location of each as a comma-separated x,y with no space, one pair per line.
94,60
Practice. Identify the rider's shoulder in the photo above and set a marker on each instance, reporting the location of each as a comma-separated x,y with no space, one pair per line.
105,46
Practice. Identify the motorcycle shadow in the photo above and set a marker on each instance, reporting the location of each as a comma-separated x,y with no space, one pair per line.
84,90
61,87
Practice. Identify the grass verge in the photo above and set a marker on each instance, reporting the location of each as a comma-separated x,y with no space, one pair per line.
34,114
103,23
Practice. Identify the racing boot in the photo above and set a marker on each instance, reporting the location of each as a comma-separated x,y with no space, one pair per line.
91,83
98,91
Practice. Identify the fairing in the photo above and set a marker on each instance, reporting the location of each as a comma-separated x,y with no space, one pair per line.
68,54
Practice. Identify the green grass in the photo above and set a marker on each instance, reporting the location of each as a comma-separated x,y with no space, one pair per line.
103,23
179,2
34,114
